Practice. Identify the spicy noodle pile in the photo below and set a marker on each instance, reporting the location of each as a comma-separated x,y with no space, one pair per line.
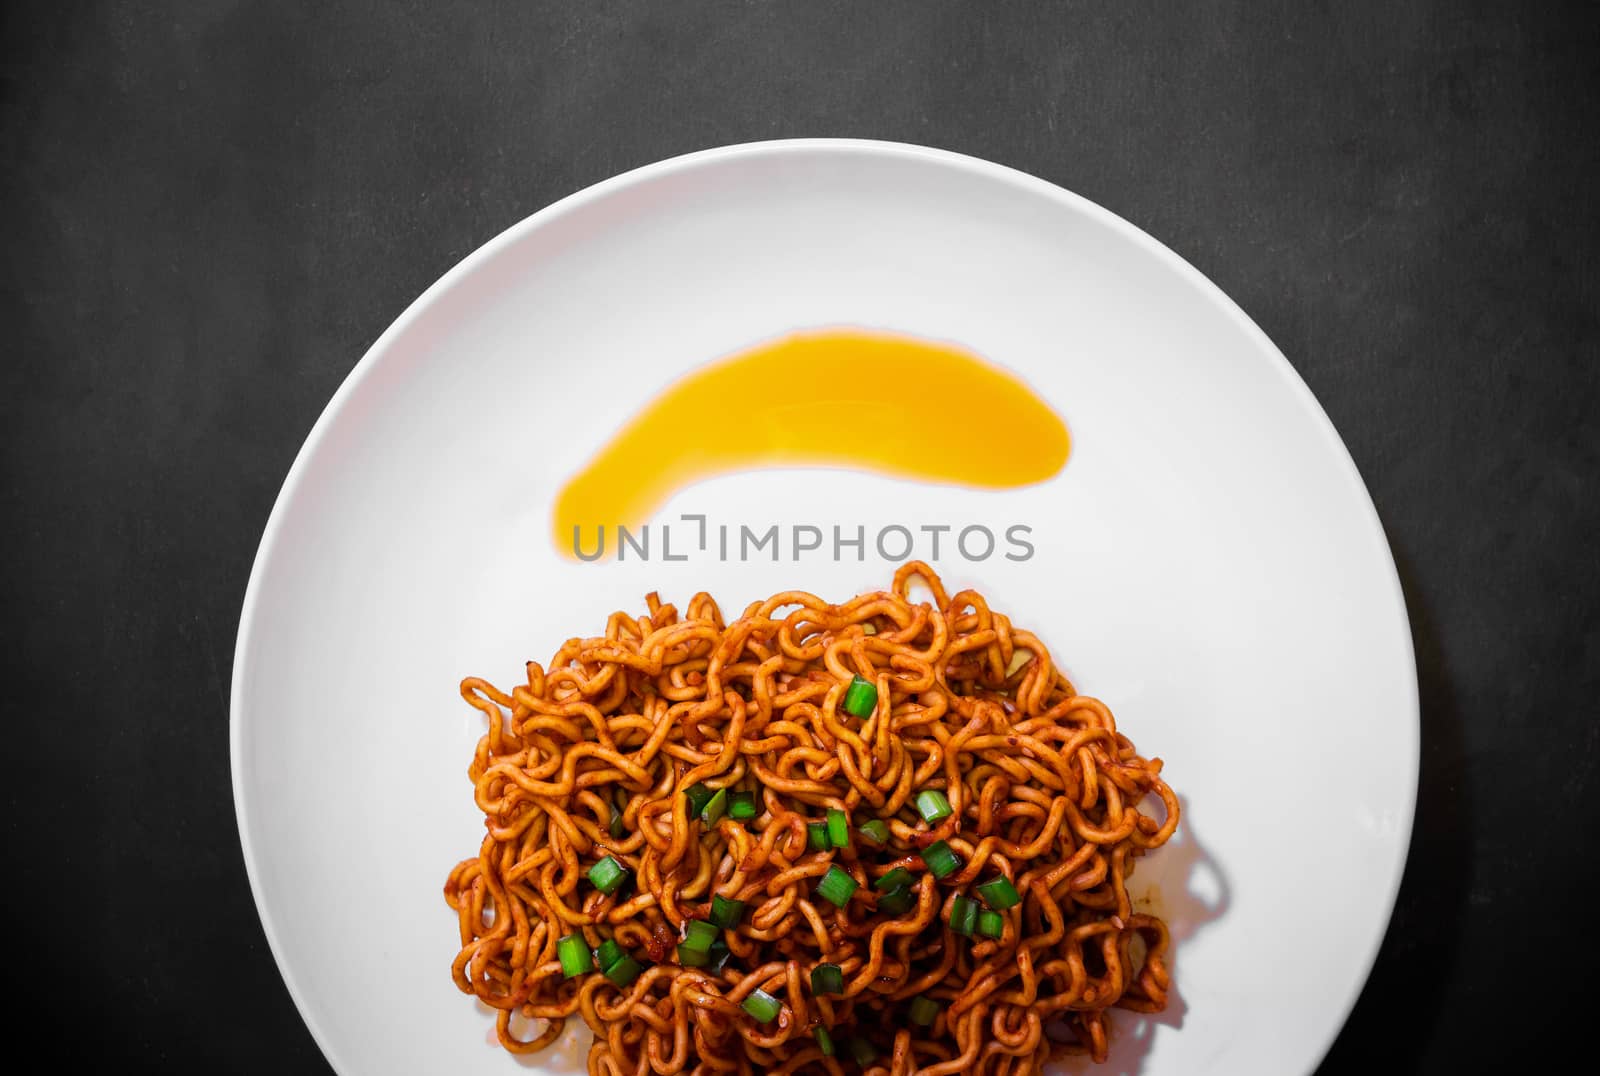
884,836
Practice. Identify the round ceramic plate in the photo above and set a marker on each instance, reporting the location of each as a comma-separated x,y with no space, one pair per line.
1207,561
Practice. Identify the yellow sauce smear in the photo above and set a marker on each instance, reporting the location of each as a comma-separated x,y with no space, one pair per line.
895,405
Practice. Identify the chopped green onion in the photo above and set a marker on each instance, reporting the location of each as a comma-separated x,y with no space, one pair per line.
816,836
999,893
619,806
874,832
838,828
699,935
860,698
608,875
991,924
717,957
897,901
894,879
715,808
726,913
742,806
941,860
963,915
693,958
573,952
932,806
624,971
824,1041
762,1005
698,796
837,886
827,979
862,1052
608,953
923,1010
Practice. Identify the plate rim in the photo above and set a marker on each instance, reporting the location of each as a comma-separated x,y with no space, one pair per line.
462,270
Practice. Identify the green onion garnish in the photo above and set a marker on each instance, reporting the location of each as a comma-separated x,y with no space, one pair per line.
893,880
932,806
874,832
608,953
824,1041
963,915
699,935
860,698
862,1052
941,860
999,893
608,875
762,1005
574,955
726,913
827,979
717,958
991,924
742,806
897,901
698,796
619,804
624,971
923,1010
816,836
715,808
837,886
693,958
838,828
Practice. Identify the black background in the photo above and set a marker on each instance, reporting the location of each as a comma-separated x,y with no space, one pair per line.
211,210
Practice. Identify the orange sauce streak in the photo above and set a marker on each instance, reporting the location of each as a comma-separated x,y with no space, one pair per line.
895,405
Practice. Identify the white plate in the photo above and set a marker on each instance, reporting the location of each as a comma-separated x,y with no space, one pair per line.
1208,562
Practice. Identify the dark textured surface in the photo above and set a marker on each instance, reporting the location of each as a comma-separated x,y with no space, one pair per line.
210,212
